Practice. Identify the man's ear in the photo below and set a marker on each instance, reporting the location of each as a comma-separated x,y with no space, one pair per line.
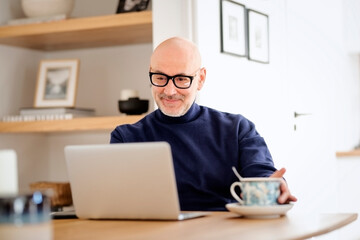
202,78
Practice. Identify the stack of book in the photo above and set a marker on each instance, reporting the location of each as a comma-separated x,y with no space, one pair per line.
39,114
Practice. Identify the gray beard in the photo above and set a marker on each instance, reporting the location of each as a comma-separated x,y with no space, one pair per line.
173,115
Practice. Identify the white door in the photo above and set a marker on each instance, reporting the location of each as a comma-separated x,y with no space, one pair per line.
311,163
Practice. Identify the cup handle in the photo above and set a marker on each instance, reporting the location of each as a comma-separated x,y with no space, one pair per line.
234,194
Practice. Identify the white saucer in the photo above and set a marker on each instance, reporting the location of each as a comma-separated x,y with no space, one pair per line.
259,211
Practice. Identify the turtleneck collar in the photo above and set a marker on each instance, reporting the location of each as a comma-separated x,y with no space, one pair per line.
190,115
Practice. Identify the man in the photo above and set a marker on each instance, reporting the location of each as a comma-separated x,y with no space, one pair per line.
205,143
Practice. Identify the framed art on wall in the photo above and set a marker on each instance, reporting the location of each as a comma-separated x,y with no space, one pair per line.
233,28
258,36
56,83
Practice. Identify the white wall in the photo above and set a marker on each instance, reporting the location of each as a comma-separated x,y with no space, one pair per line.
235,84
352,30
172,18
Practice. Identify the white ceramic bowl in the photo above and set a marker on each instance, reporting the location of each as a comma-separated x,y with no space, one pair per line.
42,8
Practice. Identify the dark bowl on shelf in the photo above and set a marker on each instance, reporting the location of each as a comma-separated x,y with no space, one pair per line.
133,106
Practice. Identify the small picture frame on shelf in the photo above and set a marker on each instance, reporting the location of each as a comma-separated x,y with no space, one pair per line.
233,28
258,36
132,5
56,83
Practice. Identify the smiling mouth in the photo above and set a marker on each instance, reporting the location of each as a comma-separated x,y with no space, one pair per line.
170,102
171,99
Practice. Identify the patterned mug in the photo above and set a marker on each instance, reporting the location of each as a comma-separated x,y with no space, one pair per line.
257,191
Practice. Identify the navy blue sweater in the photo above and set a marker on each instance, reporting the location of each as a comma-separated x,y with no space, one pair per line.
205,144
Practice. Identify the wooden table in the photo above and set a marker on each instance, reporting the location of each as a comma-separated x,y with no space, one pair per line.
216,225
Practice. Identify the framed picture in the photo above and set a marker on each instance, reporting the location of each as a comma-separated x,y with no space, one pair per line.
258,34
56,83
132,5
233,28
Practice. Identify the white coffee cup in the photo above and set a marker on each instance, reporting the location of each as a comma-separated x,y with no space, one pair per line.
257,191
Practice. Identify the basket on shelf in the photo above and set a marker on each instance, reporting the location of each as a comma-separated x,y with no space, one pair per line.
60,192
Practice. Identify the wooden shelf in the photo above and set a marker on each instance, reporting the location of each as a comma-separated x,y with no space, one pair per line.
111,30
352,153
76,124
101,31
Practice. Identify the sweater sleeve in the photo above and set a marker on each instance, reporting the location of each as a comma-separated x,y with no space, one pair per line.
254,157
116,137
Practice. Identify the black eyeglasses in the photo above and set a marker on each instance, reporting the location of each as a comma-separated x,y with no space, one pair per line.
180,81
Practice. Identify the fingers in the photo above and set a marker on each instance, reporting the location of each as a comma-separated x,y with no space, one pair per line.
285,195
284,199
279,173
291,199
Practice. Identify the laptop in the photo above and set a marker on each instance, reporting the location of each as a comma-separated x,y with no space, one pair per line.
124,181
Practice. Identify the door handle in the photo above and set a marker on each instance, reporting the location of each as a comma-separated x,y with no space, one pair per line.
296,114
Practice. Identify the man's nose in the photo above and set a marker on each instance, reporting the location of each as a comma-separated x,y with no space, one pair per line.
170,88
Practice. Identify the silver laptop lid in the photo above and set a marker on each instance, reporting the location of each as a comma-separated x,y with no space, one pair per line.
123,181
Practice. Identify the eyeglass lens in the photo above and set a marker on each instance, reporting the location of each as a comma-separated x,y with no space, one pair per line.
161,80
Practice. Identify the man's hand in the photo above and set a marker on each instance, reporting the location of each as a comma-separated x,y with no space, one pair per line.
285,195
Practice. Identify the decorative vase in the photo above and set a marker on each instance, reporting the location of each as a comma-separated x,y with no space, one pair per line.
44,8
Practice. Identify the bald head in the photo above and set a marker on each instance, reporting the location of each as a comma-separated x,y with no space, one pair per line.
176,55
